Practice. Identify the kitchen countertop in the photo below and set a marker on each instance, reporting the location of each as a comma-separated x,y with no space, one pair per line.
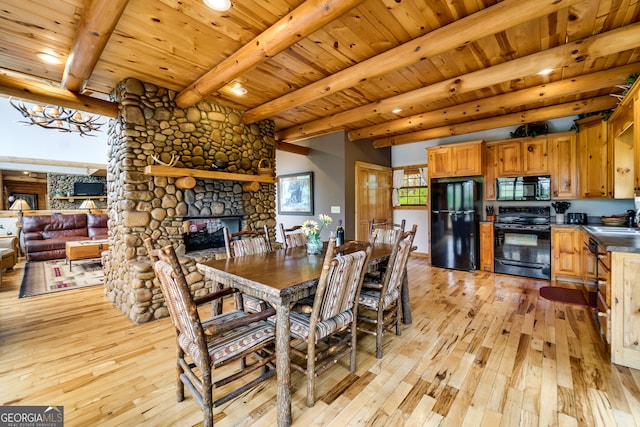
616,239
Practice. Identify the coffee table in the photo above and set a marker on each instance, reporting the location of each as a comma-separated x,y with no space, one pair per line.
85,249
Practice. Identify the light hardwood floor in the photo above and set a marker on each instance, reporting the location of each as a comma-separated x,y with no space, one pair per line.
483,350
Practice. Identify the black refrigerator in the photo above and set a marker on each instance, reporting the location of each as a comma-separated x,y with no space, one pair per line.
455,236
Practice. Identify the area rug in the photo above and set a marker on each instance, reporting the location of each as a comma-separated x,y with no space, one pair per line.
568,296
44,277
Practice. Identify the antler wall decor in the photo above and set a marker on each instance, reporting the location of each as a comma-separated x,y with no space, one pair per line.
173,161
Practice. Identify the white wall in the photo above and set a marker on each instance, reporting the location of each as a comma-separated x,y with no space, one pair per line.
34,142
412,154
326,161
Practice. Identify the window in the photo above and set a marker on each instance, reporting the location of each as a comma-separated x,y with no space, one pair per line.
414,190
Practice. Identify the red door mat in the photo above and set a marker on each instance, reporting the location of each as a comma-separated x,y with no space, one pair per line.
568,296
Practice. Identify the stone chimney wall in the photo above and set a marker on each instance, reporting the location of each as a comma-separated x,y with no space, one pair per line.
206,136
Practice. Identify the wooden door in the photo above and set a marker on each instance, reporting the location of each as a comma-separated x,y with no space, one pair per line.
564,167
535,157
509,159
374,184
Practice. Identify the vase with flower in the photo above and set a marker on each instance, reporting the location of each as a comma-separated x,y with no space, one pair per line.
312,230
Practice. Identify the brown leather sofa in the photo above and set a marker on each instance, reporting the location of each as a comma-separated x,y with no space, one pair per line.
45,236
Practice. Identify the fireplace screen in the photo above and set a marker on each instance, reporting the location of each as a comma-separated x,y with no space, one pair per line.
206,233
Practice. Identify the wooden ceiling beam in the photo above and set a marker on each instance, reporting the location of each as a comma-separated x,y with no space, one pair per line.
44,94
515,119
611,42
495,104
292,148
304,20
502,16
98,21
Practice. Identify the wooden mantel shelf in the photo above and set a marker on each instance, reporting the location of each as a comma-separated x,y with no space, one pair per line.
158,170
74,198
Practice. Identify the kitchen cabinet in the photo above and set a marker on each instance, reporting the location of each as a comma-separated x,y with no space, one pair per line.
535,157
602,313
486,246
566,253
588,264
625,151
463,159
564,166
636,138
523,157
594,158
509,159
625,309
439,161
490,164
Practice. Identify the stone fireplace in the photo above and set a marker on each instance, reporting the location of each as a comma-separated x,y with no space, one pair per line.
206,233
205,137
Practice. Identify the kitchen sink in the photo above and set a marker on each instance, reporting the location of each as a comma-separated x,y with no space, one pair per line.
618,231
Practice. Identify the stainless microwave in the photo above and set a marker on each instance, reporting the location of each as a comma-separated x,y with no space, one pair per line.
524,188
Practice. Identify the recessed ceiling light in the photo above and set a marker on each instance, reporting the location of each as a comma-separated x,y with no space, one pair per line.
545,72
238,89
219,5
49,57
396,110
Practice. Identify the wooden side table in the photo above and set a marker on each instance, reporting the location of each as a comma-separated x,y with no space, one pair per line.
85,249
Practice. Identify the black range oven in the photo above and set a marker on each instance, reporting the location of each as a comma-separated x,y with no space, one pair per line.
523,242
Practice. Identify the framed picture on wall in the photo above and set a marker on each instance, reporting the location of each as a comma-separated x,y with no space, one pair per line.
295,194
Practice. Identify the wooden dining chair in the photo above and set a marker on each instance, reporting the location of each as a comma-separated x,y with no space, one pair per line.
382,232
386,232
379,302
205,346
247,242
292,237
327,332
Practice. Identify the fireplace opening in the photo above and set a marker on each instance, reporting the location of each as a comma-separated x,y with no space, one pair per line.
206,232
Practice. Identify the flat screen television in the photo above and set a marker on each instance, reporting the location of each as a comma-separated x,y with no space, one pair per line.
88,189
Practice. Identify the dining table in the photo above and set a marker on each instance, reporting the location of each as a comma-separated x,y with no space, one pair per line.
281,278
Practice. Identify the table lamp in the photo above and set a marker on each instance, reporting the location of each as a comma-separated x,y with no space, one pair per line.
20,205
88,204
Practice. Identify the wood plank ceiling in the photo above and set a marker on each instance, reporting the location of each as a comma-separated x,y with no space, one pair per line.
317,67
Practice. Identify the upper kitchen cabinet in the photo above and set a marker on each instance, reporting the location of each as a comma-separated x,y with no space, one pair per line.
522,157
490,165
463,159
564,166
594,158
624,146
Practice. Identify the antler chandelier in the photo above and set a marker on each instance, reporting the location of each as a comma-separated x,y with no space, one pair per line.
60,118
